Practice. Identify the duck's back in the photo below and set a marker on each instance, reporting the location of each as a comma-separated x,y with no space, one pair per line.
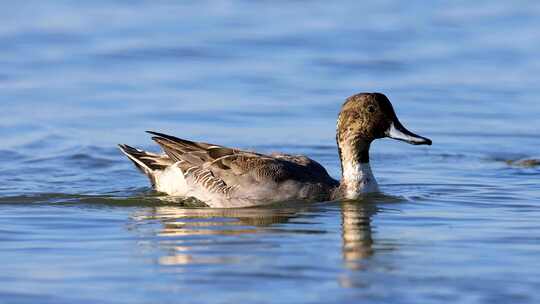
269,178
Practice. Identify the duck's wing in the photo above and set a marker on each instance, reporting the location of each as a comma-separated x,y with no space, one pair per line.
221,169
313,167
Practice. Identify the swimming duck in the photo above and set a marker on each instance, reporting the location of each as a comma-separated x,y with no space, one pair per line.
226,177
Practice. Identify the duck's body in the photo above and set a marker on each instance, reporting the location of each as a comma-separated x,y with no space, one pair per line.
224,177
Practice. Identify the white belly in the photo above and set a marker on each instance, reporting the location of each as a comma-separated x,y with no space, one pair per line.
171,181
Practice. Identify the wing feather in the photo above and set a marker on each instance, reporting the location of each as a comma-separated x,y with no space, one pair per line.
222,169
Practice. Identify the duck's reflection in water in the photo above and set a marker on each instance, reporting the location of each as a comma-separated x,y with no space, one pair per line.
358,243
180,230
188,223
356,232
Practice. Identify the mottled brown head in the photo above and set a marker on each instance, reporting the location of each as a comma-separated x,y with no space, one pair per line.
365,117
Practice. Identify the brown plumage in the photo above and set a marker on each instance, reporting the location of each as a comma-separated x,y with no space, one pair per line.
226,177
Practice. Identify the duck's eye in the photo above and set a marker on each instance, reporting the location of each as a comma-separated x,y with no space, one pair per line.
371,109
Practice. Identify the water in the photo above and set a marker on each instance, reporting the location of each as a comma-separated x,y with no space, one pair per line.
458,221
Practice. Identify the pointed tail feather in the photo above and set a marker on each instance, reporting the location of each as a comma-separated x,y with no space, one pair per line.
147,163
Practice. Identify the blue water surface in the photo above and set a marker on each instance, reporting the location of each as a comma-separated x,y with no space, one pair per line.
457,222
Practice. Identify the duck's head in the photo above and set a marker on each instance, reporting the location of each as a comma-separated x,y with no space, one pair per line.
365,117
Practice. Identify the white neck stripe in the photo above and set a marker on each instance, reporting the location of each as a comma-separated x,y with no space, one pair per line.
357,179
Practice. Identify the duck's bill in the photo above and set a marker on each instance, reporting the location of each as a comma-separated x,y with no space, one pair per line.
398,131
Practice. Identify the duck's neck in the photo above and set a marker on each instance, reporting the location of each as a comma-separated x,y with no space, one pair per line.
356,175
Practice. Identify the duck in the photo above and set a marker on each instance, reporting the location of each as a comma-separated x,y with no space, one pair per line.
223,177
